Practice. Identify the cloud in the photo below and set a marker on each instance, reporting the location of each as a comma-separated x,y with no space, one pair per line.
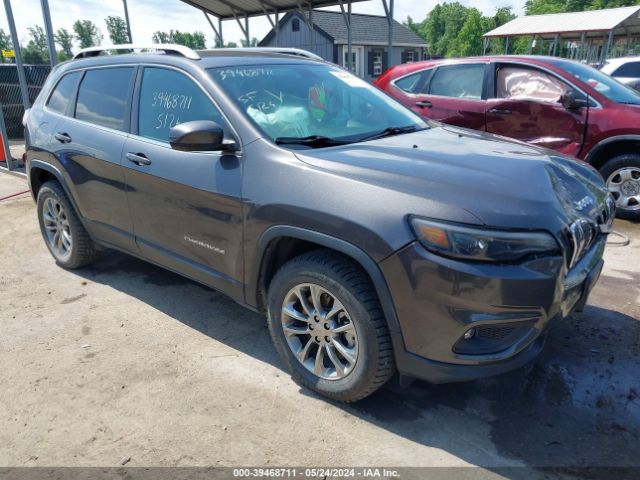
148,16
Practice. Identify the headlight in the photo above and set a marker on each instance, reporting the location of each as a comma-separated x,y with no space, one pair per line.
480,244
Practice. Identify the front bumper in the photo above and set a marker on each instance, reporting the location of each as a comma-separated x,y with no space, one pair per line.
506,307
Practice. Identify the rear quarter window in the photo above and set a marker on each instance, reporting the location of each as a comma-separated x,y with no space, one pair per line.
631,69
62,93
415,82
103,97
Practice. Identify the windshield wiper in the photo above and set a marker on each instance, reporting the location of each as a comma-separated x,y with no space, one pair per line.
390,131
315,141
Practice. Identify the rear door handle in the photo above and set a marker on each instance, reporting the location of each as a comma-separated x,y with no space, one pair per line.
500,111
424,104
138,158
62,137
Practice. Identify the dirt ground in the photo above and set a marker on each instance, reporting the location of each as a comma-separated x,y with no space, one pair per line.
124,359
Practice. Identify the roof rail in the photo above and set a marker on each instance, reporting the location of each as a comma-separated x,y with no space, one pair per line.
169,49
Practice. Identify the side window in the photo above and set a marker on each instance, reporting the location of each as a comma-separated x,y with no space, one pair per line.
519,83
103,96
458,81
415,83
631,69
168,98
63,92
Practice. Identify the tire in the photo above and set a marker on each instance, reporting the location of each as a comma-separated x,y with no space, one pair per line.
622,176
357,329
72,248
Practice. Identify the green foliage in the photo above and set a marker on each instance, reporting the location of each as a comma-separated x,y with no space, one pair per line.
87,33
231,45
537,7
36,51
195,40
253,43
64,38
5,40
117,30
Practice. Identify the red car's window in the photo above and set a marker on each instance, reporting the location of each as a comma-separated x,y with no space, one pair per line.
458,81
528,84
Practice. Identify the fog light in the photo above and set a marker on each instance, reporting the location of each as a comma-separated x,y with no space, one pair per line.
469,334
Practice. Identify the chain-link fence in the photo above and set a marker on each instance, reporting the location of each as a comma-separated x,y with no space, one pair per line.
11,98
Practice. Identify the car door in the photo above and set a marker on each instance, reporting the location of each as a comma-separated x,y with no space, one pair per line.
410,90
526,105
186,206
455,95
88,142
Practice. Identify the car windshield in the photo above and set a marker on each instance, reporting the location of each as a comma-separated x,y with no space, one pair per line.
313,105
602,83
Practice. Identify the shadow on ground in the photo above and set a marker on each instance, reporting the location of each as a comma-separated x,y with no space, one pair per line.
577,405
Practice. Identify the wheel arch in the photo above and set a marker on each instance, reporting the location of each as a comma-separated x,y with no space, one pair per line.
294,241
612,147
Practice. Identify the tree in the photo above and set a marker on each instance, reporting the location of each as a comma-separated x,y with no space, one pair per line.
195,40
253,43
537,7
5,40
117,29
469,39
231,45
37,50
64,39
87,33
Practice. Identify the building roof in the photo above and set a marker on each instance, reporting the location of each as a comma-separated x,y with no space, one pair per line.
227,9
365,29
625,18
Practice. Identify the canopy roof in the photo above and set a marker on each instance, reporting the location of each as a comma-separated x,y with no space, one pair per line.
624,20
226,9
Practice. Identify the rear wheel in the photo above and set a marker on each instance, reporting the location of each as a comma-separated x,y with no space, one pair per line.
622,176
63,233
327,326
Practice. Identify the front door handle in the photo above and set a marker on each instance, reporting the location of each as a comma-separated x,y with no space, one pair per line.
424,104
62,137
138,158
500,111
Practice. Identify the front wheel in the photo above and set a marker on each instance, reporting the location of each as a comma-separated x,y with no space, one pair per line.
327,326
622,176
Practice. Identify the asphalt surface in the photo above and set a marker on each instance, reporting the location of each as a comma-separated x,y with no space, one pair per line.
124,360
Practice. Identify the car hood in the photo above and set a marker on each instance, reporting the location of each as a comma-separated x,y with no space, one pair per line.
503,183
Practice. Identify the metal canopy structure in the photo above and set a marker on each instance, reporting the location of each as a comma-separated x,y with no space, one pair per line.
592,31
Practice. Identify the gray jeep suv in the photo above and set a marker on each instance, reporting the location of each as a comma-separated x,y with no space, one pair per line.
374,241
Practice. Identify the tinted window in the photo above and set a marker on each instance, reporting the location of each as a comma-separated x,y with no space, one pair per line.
631,69
168,98
61,95
103,97
459,81
415,83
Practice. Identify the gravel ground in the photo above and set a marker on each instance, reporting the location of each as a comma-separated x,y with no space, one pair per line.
125,360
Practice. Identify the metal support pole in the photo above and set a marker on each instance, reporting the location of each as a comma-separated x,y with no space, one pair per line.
581,47
16,48
349,39
388,10
247,35
506,46
606,47
216,31
5,140
311,29
46,15
126,18
530,49
485,41
555,46
277,29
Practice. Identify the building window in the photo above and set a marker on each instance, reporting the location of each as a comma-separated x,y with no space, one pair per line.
377,62
410,56
295,25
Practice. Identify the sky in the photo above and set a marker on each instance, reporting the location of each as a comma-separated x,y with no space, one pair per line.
148,16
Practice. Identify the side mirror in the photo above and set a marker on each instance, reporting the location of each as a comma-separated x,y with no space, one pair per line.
570,102
199,136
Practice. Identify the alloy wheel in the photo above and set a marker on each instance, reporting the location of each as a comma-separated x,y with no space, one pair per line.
56,227
624,184
319,331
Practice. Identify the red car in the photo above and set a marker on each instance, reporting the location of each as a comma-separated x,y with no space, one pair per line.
547,101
